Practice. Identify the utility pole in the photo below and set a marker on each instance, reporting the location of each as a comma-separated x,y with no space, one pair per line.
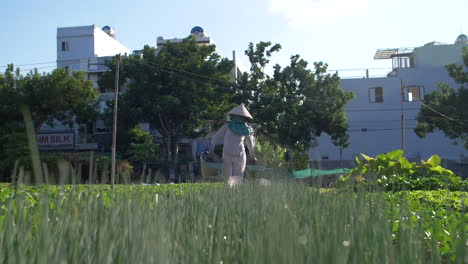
114,123
403,136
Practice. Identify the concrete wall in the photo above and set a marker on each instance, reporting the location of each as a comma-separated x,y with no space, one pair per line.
105,45
86,46
436,56
80,45
375,128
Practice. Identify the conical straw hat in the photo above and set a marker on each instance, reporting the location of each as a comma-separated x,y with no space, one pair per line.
240,111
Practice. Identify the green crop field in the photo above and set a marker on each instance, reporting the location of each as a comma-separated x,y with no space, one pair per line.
211,223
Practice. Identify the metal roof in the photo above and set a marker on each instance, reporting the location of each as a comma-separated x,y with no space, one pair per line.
382,54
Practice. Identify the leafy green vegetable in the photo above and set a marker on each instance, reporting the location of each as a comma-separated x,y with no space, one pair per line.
393,172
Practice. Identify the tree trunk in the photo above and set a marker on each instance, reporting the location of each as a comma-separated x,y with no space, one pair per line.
175,161
142,175
170,158
291,158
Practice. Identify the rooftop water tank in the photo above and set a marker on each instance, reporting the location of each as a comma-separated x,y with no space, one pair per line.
462,39
109,31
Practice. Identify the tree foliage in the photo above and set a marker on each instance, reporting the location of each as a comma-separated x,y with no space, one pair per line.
296,104
127,120
57,95
142,148
176,88
446,109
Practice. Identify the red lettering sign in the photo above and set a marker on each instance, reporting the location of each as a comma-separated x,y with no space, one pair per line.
55,139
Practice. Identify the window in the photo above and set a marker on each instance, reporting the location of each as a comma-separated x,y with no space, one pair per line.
64,45
402,62
417,93
376,95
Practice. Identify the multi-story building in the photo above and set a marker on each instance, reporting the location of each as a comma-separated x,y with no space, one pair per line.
197,32
83,48
87,48
203,39
375,114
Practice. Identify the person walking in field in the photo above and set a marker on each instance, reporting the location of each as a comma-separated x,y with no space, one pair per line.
235,132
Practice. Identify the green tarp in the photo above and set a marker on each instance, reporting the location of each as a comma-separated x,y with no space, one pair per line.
302,174
316,172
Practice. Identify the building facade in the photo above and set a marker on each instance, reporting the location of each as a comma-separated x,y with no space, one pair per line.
83,48
375,114
87,48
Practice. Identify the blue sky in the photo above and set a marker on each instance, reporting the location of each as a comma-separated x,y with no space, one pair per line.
343,33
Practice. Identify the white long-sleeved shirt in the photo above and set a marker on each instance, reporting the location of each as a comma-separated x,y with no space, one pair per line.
233,143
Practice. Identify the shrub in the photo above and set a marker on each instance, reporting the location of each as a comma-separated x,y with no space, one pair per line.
392,172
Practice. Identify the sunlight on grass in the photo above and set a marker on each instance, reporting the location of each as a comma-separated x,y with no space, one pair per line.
210,223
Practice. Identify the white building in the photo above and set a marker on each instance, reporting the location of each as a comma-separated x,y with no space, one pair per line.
83,48
203,39
197,32
375,113
86,48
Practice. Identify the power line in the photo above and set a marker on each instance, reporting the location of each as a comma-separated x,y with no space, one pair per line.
173,68
379,120
46,67
55,62
40,68
180,75
362,69
379,110
30,64
49,62
445,116
378,129
153,65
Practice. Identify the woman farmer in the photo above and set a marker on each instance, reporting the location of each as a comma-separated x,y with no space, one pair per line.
234,133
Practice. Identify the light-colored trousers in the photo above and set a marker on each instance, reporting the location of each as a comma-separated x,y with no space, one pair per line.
234,165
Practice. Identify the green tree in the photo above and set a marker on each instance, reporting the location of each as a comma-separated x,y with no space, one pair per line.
143,149
446,108
127,120
296,104
58,95
175,89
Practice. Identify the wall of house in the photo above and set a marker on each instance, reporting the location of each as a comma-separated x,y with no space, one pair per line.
80,45
375,127
436,56
86,46
105,45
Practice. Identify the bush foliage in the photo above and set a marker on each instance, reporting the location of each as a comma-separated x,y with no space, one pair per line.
393,172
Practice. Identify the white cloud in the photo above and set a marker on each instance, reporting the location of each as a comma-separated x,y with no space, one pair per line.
300,13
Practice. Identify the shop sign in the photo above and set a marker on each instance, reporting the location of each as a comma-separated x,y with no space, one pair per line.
56,139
